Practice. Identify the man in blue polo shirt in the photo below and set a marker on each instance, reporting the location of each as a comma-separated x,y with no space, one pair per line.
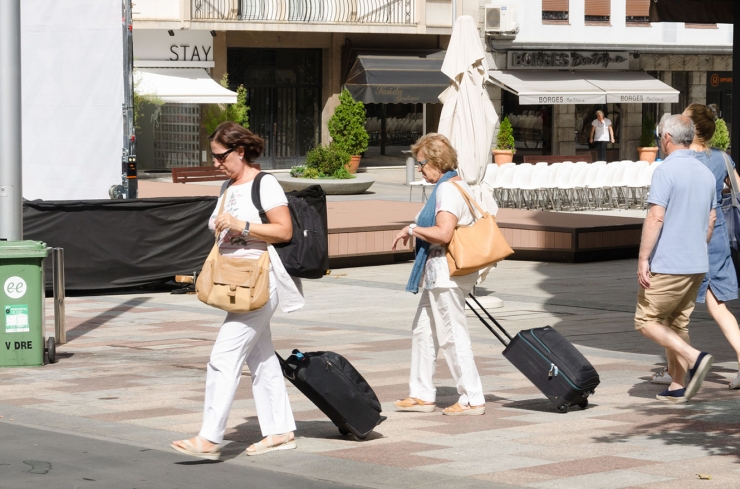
673,256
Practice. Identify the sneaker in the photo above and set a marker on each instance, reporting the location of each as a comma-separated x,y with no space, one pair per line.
698,372
414,405
677,396
735,384
661,377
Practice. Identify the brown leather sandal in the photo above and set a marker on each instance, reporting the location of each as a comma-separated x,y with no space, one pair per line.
415,405
458,409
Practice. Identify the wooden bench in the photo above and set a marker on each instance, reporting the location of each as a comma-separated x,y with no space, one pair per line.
200,174
557,159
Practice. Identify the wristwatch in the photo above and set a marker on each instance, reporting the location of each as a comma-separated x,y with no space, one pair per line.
411,229
245,233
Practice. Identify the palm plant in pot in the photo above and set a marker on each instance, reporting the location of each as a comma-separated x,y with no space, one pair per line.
504,150
347,129
648,150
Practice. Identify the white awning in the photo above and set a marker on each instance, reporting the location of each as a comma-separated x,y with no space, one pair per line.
181,86
548,87
592,87
632,87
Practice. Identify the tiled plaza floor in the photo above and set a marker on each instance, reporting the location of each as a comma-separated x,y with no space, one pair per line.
134,371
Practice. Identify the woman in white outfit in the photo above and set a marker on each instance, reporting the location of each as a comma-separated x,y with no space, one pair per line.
440,321
246,336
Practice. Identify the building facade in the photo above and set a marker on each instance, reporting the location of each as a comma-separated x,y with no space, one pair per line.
574,35
293,58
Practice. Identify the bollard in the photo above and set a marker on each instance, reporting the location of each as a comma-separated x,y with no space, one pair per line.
57,264
410,167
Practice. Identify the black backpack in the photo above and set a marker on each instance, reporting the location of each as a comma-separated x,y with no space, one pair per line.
306,255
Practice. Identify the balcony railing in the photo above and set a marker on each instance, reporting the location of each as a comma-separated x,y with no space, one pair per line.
396,12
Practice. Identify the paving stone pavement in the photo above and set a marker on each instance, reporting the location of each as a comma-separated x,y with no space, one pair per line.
134,371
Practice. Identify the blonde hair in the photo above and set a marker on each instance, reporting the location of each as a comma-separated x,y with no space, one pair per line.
437,150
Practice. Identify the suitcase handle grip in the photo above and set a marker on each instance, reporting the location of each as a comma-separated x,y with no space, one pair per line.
284,367
485,323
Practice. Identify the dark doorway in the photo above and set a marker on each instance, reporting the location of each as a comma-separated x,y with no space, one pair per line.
284,99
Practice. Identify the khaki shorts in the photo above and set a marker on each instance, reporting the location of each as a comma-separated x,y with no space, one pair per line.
670,300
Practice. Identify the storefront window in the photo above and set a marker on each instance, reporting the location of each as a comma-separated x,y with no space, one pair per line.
403,123
680,81
585,115
532,125
176,135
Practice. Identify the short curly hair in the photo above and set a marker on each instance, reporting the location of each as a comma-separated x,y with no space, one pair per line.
232,135
437,150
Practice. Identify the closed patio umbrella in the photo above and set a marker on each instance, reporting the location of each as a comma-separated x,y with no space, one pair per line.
468,118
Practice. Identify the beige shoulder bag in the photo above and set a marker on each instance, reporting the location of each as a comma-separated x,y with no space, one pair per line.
476,246
234,284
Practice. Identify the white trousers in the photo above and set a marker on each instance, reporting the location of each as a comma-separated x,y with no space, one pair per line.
440,324
246,336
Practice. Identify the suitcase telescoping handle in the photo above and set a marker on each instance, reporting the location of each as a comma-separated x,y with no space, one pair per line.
503,341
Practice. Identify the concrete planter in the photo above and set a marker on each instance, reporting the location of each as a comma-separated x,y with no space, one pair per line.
356,185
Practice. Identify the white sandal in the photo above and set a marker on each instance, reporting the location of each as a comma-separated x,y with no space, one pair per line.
735,384
661,377
261,447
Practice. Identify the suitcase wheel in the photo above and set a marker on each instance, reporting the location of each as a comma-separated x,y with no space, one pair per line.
564,408
583,404
344,431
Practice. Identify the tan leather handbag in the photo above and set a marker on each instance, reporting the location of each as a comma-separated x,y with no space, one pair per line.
476,246
234,284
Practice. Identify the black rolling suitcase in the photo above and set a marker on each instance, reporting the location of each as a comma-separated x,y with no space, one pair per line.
549,361
335,387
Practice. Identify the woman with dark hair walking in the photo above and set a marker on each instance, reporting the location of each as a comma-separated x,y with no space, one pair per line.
246,336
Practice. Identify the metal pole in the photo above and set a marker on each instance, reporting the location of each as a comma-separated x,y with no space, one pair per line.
11,191
735,118
57,264
129,136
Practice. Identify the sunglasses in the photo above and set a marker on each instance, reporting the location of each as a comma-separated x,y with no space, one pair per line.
422,163
221,157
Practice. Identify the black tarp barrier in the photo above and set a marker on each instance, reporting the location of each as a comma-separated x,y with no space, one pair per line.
397,79
112,244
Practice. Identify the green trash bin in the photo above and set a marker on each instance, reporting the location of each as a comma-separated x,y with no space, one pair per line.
22,301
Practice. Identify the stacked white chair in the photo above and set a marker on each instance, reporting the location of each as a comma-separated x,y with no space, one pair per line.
522,176
595,191
592,176
563,177
504,177
622,187
535,193
610,185
551,182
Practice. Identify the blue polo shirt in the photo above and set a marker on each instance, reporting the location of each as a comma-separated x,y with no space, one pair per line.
686,189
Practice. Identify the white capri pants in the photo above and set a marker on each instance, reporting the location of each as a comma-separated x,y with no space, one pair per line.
246,336
440,323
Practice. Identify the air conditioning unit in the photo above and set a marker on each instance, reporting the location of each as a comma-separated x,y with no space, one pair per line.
501,19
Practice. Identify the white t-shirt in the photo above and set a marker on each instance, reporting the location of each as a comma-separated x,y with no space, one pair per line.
239,204
436,272
601,132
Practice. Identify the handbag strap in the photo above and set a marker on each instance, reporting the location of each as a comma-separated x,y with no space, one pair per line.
221,208
733,180
470,201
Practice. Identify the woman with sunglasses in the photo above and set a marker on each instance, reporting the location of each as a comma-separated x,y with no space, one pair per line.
247,336
440,321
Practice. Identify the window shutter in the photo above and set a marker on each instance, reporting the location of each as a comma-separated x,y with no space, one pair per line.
638,8
554,5
599,8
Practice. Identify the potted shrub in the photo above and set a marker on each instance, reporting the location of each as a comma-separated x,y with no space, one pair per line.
504,150
347,129
721,138
324,162
647,151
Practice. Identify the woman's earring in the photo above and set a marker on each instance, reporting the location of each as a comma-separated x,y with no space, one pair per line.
241,157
